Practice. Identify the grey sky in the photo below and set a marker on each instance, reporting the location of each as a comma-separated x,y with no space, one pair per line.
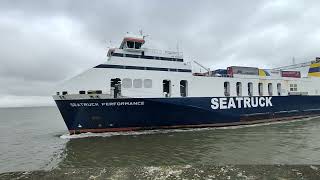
44,42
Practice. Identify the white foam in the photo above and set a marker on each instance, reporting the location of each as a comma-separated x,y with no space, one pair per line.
108,134
164,131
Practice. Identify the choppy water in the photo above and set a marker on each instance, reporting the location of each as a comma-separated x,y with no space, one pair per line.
34,144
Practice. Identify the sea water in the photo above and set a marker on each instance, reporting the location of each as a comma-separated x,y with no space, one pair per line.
34,143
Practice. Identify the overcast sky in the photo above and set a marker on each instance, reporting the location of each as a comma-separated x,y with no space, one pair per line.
43,43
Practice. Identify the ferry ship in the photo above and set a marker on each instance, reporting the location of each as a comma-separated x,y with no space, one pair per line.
139,88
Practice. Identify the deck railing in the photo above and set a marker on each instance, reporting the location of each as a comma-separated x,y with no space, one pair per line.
165,52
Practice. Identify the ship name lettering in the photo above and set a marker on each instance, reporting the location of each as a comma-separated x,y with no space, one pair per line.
136,103
83,104
240,102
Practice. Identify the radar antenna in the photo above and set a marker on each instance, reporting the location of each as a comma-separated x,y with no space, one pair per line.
141,33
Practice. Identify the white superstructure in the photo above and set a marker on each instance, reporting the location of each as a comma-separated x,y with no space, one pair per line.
134,71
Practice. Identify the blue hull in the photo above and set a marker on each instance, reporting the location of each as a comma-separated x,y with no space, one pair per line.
101,115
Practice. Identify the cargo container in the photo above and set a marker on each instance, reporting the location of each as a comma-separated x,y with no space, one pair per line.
269,72
242,70
292,74
220,72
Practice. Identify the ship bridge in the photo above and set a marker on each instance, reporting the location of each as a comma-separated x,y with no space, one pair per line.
132,53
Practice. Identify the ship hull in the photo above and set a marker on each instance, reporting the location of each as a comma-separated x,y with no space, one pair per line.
105,115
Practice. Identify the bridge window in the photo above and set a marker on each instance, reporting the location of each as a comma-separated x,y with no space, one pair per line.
137,45
270,89
250,89
166,88
293,87
64,92
226,86
183,88
127,83
130,44
147,83
137,83
260,89
279,89
82,92
239,88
